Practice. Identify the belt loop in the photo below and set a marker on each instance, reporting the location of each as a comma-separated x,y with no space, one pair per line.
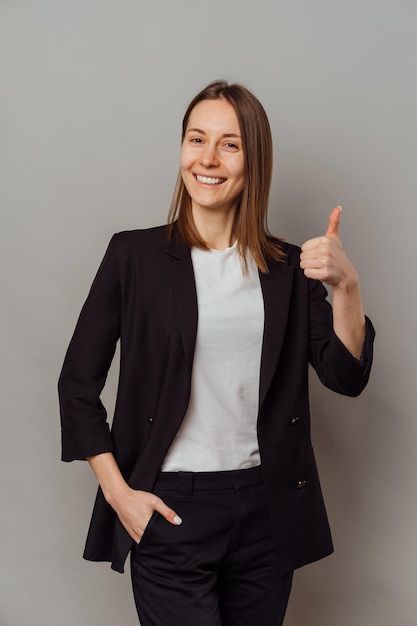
185,484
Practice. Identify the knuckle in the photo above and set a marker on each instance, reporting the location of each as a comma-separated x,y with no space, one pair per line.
154,501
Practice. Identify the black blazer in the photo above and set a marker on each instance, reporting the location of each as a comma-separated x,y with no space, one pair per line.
144,294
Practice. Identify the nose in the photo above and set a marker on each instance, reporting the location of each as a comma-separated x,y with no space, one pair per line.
209,156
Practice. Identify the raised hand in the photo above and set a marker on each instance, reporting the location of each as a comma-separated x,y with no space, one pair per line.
324,258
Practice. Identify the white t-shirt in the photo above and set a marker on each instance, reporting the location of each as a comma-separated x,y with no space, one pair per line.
219,429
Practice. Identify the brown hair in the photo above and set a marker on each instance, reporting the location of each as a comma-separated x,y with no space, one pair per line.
250,220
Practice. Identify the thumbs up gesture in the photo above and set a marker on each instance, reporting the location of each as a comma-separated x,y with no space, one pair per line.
323,257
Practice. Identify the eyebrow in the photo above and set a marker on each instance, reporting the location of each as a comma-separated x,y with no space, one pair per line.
202,132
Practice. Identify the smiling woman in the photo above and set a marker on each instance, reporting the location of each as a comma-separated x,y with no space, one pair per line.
237,136
208,476
212,168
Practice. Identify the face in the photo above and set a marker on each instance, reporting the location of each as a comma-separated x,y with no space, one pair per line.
212,162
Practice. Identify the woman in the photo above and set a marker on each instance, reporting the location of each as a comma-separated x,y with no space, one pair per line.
208,476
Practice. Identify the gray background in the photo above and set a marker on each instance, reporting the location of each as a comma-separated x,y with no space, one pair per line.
93,93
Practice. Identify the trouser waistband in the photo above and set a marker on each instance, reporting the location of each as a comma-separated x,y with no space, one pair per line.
206,481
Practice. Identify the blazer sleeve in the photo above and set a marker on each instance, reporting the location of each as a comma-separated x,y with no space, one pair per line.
85,430
336,367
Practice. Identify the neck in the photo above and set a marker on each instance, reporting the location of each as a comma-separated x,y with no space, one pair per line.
215,228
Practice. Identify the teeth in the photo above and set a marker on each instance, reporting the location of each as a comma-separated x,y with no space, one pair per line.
209,181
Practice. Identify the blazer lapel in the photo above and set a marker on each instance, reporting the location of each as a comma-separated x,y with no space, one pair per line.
276,290
180,269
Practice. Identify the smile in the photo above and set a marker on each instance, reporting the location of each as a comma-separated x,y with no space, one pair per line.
207,180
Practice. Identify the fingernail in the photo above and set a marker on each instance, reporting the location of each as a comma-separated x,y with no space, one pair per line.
177,520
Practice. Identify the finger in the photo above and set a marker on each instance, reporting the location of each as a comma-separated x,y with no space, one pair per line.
315,273
169,514
334,219
313,244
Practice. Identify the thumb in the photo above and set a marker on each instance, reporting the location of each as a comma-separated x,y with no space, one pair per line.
333,227
169,514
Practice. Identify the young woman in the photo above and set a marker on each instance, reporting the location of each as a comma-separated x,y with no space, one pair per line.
208,476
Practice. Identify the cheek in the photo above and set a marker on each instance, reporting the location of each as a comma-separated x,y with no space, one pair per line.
239,172
185,167
240,179
185,159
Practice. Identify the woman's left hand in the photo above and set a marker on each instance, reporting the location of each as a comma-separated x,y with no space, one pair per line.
324,258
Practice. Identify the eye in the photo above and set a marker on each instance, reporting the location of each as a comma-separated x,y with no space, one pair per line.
231,145
196,140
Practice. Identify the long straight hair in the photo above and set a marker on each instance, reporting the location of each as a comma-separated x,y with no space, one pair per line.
250,226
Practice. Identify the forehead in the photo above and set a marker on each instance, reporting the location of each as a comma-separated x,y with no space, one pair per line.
214,115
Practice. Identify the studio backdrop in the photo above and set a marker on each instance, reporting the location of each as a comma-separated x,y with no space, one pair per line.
92,97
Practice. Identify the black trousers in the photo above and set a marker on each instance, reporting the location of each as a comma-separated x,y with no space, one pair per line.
216,569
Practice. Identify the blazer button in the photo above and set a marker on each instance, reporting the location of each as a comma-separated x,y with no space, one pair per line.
294,420
150,419
301,484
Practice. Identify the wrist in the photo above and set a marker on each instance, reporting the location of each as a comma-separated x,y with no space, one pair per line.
114,494
349,283
111,481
